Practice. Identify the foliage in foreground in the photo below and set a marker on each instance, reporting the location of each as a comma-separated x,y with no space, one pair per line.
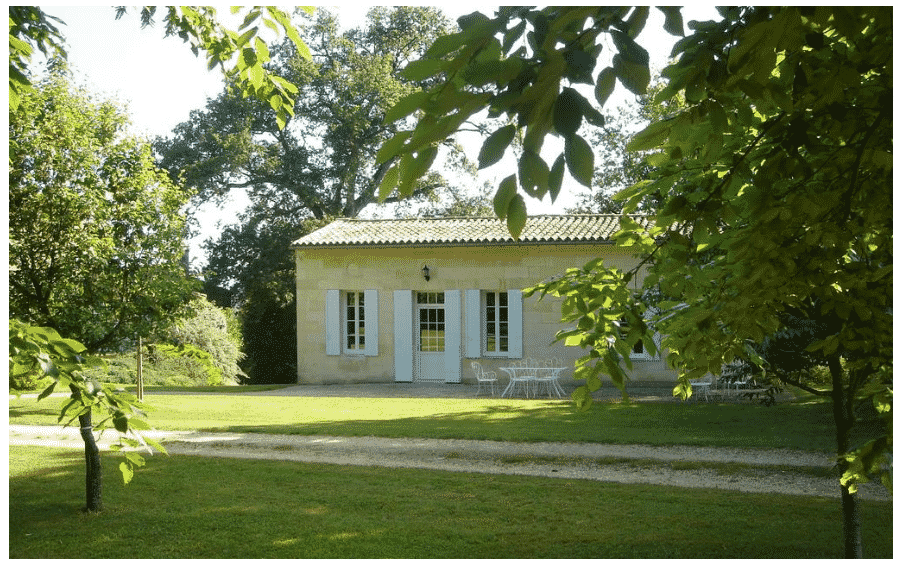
773,186
191,507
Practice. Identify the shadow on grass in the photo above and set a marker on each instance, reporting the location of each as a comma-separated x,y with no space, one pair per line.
802,427
192,507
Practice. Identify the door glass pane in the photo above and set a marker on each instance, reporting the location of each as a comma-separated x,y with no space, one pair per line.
432,329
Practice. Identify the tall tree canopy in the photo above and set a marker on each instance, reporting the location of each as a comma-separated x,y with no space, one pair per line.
95,233
323,163
775,185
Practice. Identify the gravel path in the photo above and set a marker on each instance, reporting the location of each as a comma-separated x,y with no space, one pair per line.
761,471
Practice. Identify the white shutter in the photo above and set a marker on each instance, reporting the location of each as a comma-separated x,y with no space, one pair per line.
371,324
472,323
333,323
452,354
403,342
516,324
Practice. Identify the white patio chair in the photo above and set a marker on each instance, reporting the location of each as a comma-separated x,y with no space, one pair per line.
485,379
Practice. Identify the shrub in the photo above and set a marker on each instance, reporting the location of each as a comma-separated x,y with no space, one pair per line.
215,331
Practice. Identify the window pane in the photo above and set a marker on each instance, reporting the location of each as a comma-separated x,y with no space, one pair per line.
503,344
491,299
503,299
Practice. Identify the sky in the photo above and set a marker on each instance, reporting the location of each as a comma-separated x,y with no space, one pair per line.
161,81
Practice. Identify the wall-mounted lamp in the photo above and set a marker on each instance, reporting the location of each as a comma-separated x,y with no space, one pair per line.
426,272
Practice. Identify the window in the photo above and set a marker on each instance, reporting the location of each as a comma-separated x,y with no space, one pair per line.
354,321
351,324
496,315
493,323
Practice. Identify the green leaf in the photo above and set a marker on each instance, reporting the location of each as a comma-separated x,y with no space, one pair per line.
135,458
392,147
632,75
420,70
508,189
155,444
127,473
494,147
579,158
651,137
568,112
674,24
582,398
516,217
534,174
630,50
388,185
47,391
405,106
556,175
580,66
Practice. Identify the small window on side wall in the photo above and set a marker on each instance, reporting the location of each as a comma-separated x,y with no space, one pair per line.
354,322
351,322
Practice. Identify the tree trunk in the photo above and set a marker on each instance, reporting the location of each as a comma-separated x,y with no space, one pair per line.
843,412
140,374
93,477
850,510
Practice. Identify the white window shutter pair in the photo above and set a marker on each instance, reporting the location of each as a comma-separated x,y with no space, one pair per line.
474,324
334,320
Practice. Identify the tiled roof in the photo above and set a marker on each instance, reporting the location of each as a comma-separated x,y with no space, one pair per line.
465,230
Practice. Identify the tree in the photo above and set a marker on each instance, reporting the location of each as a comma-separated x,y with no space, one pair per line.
775,186
323,163
94,227
455,202
42,352
251,268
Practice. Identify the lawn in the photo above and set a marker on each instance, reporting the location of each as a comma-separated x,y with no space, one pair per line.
191,507
801,424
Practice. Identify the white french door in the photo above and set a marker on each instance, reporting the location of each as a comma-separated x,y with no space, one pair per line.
430,336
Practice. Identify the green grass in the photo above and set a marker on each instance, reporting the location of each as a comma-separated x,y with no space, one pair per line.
187,507
802,424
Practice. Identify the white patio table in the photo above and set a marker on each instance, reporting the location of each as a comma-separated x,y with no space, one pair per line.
701,389
529,379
